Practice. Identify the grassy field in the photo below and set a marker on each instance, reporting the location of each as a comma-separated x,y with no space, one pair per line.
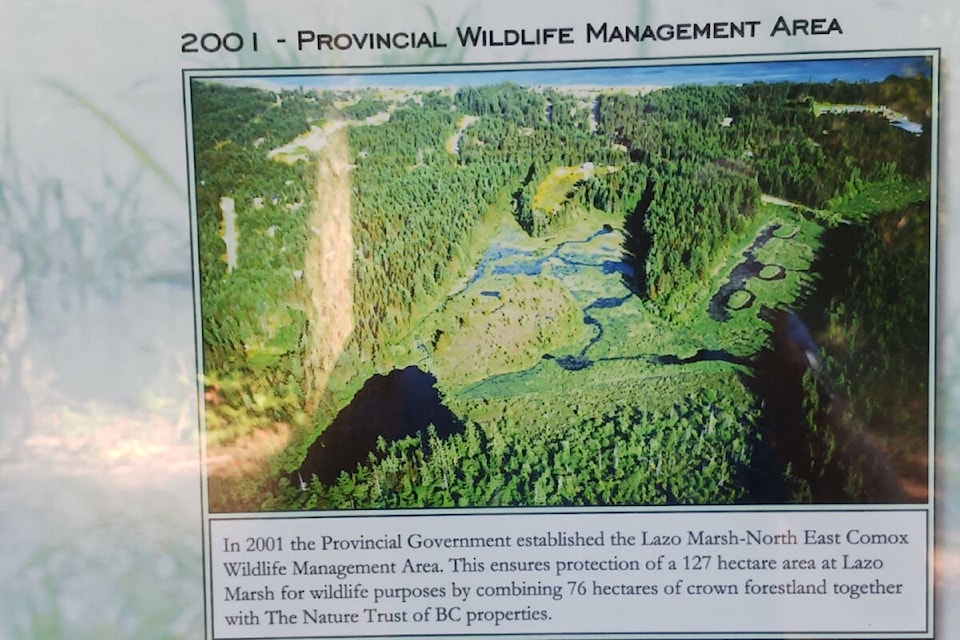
556,189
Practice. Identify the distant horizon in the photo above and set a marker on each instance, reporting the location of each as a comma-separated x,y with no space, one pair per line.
724,73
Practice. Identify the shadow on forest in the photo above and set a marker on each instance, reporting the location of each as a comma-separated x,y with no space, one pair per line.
636,245
810,448
402,403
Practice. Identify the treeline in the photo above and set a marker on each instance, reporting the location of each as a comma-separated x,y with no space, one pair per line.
709,152
910,95
686,166
542,131
508,101
689,165
416,207
225,115
699,184
878,351
694,452
252,343
414,210
811,159
567,112
364,108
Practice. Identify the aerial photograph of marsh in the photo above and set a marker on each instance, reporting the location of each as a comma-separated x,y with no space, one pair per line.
702,284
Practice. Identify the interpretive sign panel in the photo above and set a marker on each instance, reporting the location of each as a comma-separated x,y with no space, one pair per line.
547,573
624,285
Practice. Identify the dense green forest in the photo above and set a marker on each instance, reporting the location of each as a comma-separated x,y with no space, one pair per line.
451,209
252,345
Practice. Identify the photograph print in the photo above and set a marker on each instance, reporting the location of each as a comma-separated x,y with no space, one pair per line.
694,284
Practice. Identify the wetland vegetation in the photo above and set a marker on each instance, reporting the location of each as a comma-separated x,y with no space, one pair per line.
535,295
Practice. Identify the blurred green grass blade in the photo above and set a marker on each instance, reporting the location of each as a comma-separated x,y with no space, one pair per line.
139,150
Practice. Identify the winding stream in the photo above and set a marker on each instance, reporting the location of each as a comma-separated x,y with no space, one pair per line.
506,260
571,257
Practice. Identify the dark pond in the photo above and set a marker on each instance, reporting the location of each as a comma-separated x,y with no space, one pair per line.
749,268
617,266
608,303
570,363
393,406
